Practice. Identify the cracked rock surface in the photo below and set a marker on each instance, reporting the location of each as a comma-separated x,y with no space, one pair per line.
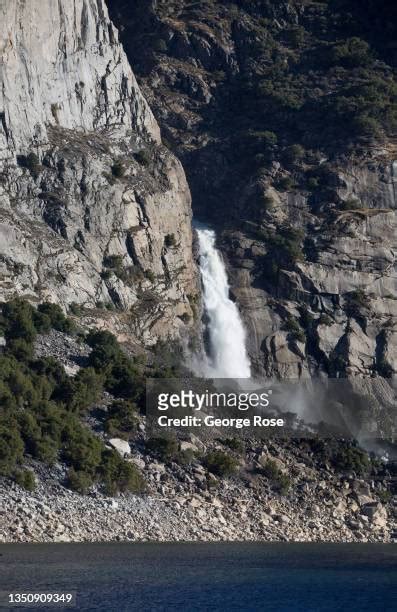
94,210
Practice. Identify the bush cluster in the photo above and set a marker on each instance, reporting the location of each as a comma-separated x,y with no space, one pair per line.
320,89
118,169
280,481
143,157
356,302
295,331
121,418
220,463
31,162
284,250
351,459
121,376
40,405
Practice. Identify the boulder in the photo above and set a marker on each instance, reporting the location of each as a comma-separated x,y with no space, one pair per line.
186,446
121,446
138,461
376,513
282,518
265,457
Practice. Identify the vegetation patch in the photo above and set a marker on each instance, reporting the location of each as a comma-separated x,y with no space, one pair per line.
40,406
280,481
220,463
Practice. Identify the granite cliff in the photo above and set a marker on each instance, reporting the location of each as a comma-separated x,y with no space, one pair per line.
94,211
284,117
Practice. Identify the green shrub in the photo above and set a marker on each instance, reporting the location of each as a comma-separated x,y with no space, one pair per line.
220,463
31,162
121,376
385,496
366,126
280,481
284,250
105,349
18,320
26,479
83,451
164,448
150,275
235,444
294,154
121,418
292,326
351,459
284,183
82,391
79,481
270,470
29,430
160,45
50,370
42,322
325,319
313,183
20,349
118,475
352,53
356,302
143,157
282,484
11,448
118,169
7,399
129,478
185,457
170,241
113,261
266,140
76,309
124,380
46,450
56,316
350,204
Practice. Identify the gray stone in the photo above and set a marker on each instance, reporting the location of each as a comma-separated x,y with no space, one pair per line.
56,224
121,446
376,513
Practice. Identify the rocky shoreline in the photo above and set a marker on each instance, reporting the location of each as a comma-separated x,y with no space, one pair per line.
178,507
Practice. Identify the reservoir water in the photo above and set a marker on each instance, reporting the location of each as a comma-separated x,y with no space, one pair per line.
220,577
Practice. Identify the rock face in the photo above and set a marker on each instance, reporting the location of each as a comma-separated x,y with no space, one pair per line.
63,65
227,84
93,209
342,294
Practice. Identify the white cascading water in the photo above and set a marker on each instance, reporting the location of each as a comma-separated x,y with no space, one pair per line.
227,356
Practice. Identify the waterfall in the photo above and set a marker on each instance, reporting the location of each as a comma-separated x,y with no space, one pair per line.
227,356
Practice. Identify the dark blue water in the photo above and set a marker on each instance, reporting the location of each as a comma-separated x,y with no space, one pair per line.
269,577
